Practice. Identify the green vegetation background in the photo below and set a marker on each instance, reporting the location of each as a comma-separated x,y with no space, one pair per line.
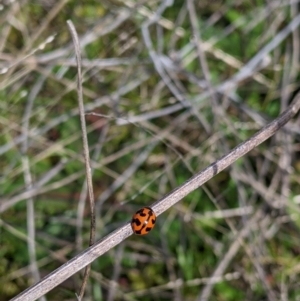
176,261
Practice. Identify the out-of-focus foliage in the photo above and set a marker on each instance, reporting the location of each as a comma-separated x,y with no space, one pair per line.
146,91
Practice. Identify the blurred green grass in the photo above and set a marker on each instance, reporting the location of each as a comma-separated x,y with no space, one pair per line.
176,261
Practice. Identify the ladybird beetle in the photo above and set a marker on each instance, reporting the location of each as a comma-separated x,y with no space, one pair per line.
143,221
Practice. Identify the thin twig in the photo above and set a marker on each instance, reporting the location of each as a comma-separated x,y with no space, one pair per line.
84,190
85,150
29,183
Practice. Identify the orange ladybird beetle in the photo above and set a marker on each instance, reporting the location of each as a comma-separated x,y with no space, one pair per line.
143,221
